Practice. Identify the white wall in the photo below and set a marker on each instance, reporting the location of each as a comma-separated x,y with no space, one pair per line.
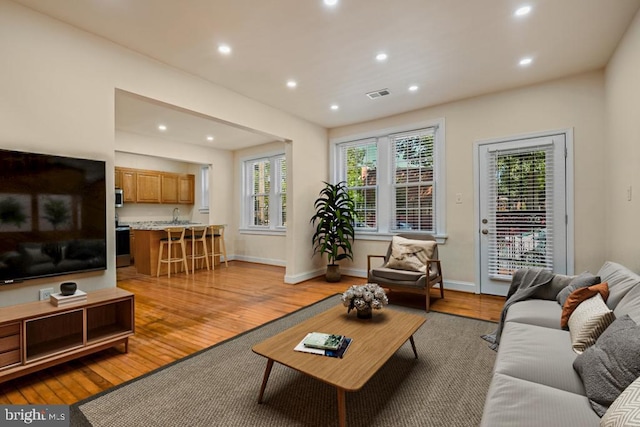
576,102
621,162
58,94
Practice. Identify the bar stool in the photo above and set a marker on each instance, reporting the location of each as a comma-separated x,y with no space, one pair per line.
198,237
175,238
217,231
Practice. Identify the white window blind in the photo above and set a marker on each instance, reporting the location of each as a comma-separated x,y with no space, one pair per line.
520,220
358,163
413,180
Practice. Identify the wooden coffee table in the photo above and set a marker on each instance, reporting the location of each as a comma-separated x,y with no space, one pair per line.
374,342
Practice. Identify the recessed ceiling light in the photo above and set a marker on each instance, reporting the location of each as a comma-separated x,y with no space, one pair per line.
525,61
292,84
522,11
331,2
413,88
210,138
335,107
162,128
381,56
224,49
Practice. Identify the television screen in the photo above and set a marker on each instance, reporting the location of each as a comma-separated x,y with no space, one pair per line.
52,215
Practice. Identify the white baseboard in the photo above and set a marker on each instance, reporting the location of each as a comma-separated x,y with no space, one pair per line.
454,285
292,279
268,261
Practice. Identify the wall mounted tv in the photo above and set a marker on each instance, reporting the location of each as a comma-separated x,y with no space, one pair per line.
52,216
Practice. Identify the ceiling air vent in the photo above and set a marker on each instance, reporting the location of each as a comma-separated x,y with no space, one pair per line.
378,93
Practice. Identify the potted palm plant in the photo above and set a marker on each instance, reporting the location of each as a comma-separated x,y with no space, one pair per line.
334,226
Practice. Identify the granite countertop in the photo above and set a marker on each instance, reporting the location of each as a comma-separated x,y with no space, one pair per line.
159,225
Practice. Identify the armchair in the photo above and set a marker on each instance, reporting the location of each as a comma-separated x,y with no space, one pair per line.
411,265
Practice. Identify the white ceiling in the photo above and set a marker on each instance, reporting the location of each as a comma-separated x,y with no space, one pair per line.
451,49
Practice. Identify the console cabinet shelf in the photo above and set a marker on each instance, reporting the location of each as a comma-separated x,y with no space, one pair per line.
38,335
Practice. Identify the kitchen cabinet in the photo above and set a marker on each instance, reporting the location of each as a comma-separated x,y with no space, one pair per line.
186,189
126,180
169,187
147,186
129,185
37,335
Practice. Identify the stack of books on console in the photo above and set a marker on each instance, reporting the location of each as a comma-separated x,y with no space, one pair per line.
60,300
324,344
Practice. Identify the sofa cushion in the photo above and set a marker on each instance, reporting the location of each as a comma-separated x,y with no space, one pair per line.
584,280
625,410
538,354
516,402
412,255
550,292
621,280
535,312
579,295
588,321
611,364
629,304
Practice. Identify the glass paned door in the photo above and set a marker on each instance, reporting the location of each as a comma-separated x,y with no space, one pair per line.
522,209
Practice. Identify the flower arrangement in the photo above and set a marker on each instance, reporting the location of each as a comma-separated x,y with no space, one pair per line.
365,298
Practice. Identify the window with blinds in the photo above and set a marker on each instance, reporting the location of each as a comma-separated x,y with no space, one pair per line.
520,220
266,192
358,164
393,178
413,180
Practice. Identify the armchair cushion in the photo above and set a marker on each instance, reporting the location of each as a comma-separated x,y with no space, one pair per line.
410,255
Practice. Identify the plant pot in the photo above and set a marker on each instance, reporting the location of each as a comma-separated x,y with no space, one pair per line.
333,273
365,313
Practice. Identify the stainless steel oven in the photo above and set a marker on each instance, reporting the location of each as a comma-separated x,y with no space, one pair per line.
123,247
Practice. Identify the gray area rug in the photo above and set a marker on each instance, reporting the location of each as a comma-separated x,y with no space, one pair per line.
219,386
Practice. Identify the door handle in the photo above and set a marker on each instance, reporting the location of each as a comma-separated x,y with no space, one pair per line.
485,231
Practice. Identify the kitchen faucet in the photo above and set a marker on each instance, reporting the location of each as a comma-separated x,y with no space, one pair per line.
176,214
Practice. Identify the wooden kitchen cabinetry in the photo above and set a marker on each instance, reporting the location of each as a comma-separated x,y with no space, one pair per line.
37,335
169,188
125,179
147,186
186,189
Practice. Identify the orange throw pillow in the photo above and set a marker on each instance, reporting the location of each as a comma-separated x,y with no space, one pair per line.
576,297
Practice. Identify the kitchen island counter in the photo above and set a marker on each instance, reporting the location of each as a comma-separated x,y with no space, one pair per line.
147,246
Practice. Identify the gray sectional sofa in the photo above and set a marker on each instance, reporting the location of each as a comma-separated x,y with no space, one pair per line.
534,381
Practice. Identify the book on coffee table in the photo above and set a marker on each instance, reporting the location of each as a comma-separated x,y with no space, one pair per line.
345,342
322,340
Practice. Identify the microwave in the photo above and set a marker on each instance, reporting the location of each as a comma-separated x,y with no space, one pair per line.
119,197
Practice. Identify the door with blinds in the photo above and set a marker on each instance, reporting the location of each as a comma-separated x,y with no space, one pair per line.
522,216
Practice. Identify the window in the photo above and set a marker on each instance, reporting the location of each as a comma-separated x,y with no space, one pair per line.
204,189
393,178
266,193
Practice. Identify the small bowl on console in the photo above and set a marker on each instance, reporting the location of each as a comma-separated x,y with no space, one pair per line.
68,288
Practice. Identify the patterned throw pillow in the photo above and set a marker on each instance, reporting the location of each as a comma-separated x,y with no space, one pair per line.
625,410
576,297
588,321
412,255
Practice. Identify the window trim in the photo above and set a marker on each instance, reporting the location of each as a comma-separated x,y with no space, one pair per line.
274,209
385,157
205,173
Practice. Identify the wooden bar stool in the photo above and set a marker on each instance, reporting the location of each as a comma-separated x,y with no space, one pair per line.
217,231
174,239
199,251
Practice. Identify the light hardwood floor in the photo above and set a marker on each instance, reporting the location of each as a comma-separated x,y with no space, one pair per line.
179,316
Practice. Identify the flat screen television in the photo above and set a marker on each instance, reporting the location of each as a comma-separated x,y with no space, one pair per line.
52,216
